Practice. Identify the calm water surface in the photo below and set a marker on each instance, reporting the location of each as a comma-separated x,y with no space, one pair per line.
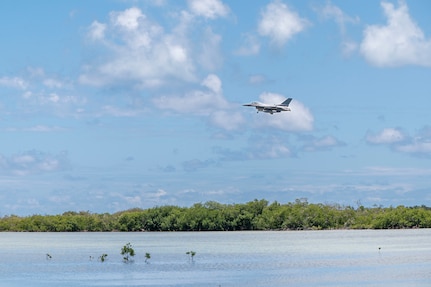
279,258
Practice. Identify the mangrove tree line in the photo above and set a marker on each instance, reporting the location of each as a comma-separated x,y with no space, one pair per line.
213,216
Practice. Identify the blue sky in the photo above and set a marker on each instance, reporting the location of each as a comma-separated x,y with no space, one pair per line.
112,105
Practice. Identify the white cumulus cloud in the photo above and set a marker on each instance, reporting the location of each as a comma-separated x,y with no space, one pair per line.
213,83
197,102
399,42
210,9
128,19
136,51
96,31
417,145
280,23
208,101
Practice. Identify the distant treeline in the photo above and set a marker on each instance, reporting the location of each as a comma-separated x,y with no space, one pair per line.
213,216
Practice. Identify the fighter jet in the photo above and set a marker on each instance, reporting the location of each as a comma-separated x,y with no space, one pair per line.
261,107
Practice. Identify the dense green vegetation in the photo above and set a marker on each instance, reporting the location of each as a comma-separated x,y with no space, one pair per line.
213,216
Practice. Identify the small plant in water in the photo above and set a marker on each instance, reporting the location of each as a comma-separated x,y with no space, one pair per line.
127,251
102,257
191,254
147,257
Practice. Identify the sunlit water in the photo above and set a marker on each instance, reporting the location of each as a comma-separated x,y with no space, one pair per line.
279,258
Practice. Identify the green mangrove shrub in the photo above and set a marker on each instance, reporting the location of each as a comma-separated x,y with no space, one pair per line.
128,252
147,257
102,257
191,254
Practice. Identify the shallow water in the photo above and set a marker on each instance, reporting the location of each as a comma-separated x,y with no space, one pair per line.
266,258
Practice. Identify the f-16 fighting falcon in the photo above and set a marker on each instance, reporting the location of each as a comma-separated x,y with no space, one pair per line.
261,107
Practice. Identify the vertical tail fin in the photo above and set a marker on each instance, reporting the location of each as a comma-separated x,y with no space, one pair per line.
286,102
